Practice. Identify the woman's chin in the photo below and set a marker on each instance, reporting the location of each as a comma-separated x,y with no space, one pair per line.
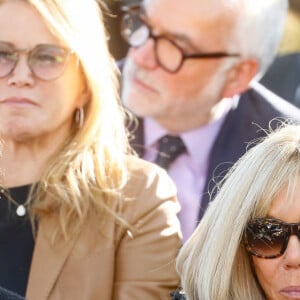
17,134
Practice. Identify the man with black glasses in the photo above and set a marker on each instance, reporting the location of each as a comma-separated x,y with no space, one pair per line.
187,77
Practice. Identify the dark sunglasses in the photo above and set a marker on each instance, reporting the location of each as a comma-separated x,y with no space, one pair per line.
269,237
46,62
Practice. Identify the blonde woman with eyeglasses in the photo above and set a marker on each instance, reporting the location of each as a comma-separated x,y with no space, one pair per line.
81,218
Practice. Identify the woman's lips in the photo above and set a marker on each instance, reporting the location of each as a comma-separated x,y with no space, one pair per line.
292,292
16,101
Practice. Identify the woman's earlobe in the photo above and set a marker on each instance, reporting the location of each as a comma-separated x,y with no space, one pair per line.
85,96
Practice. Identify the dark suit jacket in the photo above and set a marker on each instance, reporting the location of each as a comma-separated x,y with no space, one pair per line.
283,77
243,124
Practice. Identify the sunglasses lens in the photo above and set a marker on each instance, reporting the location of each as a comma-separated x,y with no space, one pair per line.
265,238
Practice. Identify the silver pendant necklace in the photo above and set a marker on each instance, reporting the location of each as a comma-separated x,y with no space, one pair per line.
21,208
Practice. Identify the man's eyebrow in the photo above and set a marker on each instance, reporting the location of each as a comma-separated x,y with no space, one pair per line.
174,36
182,38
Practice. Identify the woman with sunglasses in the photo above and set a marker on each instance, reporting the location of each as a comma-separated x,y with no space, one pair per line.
81,218
247,246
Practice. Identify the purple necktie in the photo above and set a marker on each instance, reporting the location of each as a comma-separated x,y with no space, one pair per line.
170,147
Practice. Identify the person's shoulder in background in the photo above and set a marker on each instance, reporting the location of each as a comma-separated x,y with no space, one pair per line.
283,77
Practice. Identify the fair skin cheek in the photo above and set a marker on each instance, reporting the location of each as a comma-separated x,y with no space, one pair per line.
49,115
170,99
280,277
33,131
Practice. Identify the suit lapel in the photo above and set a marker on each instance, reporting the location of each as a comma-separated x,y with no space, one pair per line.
47,262
222,156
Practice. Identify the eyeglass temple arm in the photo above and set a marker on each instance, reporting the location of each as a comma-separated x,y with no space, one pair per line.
211,55
130,7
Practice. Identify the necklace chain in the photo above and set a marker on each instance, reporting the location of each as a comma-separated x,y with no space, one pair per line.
21,208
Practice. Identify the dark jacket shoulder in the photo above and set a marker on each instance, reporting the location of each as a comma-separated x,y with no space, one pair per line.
252,116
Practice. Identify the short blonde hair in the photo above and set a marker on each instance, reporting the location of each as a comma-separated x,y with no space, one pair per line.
213,263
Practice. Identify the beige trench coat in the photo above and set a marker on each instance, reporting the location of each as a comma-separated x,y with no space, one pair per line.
119,265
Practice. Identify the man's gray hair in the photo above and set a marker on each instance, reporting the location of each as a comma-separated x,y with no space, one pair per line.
259,26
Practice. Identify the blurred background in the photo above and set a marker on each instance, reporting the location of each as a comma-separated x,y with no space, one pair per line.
291,39
113,17
290,42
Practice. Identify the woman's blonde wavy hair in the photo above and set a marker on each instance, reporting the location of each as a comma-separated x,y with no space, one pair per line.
88,172
213,263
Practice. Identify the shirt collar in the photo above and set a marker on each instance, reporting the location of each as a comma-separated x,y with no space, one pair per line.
198,141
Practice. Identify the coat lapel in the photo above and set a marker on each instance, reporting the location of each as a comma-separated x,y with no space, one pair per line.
47,262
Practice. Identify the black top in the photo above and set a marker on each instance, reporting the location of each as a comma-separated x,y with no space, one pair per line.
8,295
178,295
16,242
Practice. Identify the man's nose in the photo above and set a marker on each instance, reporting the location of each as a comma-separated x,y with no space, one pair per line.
144,55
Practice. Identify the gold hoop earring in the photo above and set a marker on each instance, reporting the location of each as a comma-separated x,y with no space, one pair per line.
79,117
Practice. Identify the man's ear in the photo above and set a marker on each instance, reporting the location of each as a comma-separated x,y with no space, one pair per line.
239,77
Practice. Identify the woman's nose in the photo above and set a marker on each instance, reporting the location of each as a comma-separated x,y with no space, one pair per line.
292,253
21,75
144,55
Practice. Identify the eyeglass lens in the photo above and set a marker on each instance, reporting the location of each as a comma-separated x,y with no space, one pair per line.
46,62
268,238
136,32
168,54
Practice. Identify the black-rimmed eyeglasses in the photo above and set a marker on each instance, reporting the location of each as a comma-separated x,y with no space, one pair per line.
46,62
168,54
